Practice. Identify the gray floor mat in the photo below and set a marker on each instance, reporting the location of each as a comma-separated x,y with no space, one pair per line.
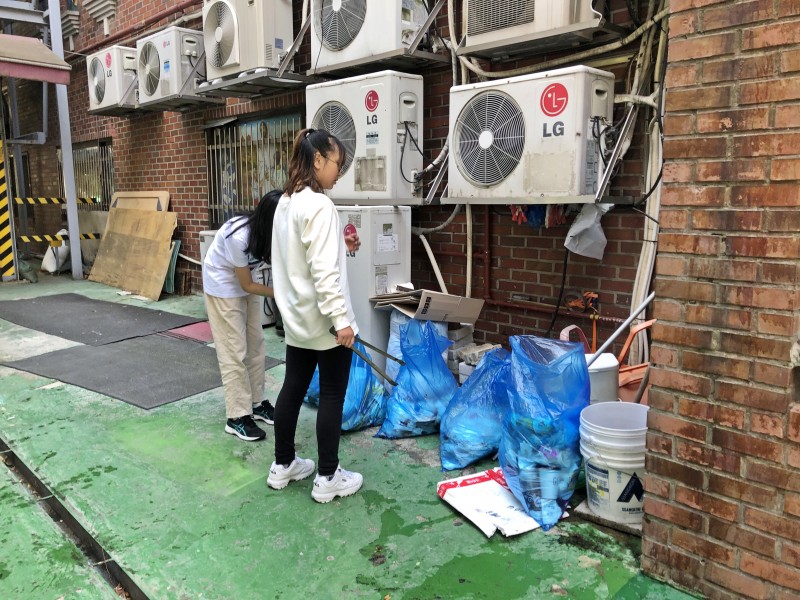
146,371
88,321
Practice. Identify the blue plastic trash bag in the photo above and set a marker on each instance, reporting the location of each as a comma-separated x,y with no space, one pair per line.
312,395
364,403
397,323
424,384
548,387
472,424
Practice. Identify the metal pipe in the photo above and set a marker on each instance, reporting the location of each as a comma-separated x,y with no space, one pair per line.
621,328
128,31
487,294
546,309
62,102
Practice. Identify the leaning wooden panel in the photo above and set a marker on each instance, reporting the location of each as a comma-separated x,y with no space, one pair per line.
134,253
147,200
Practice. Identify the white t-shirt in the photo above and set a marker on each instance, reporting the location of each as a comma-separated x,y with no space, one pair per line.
227,252
309,271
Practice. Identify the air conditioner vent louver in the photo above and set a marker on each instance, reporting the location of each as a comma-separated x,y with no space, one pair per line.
336,119
339,21
150,66
220,26
489,138
98,80
488,15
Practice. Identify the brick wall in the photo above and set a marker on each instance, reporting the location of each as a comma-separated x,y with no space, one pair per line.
167,151
723,487
723,497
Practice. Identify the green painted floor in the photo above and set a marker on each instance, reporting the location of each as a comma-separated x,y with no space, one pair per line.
185,510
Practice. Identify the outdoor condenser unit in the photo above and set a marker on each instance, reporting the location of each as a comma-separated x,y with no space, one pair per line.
382,262
243,35
497,28
112,78
533,139
378,118
165,63
355,31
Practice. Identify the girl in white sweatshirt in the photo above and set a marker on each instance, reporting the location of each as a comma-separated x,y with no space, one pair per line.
310,281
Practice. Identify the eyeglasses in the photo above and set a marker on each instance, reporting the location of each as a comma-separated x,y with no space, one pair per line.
341,166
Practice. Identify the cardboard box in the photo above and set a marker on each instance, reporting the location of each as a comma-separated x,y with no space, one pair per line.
426,305
484,499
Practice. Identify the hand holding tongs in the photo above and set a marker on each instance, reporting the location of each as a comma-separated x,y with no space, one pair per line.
375,367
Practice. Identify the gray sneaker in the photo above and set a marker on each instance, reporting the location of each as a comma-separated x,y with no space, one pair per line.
280,476
342,483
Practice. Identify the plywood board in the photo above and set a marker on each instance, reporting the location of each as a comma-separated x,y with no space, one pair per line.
91,221
134,253
147,200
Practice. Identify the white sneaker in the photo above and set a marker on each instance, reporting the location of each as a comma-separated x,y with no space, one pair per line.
343,483
280,476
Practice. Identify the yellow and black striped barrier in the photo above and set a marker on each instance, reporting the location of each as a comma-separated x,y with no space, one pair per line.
55,200
7,267
57,240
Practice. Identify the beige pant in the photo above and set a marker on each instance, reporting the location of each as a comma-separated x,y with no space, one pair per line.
239,340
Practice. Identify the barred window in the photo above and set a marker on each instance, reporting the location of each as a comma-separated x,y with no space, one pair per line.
245,161
94,173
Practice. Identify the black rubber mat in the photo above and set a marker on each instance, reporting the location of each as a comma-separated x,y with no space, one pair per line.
146,371
92,322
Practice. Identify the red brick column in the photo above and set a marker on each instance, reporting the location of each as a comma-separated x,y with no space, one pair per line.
723,465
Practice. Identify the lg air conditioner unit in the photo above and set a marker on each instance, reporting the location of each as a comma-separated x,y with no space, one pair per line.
357,31
533,139
378,118
244,35
382,262
112,78
500,26
167,64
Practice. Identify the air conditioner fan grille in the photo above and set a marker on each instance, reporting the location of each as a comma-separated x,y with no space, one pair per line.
220,16
98,79
338,27
489,138
150,66
336,119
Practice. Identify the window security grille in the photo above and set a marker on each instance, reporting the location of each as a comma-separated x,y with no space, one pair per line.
245,161
94,174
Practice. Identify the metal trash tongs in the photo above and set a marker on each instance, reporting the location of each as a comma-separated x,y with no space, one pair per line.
374,367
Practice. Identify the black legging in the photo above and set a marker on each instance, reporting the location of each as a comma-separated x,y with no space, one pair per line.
334,372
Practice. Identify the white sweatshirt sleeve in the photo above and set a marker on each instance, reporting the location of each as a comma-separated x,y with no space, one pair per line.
321,236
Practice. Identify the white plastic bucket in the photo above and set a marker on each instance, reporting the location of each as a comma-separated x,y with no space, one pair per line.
613,447
603,378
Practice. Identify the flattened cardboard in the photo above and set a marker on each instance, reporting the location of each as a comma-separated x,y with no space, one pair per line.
426,305
155,200
134,253
484,499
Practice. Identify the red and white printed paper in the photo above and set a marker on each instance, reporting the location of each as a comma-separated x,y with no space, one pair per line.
484,499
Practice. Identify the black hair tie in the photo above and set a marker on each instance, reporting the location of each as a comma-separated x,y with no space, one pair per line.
309,131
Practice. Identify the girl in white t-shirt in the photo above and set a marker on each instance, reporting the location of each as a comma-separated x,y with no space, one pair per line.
310,278
233,305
